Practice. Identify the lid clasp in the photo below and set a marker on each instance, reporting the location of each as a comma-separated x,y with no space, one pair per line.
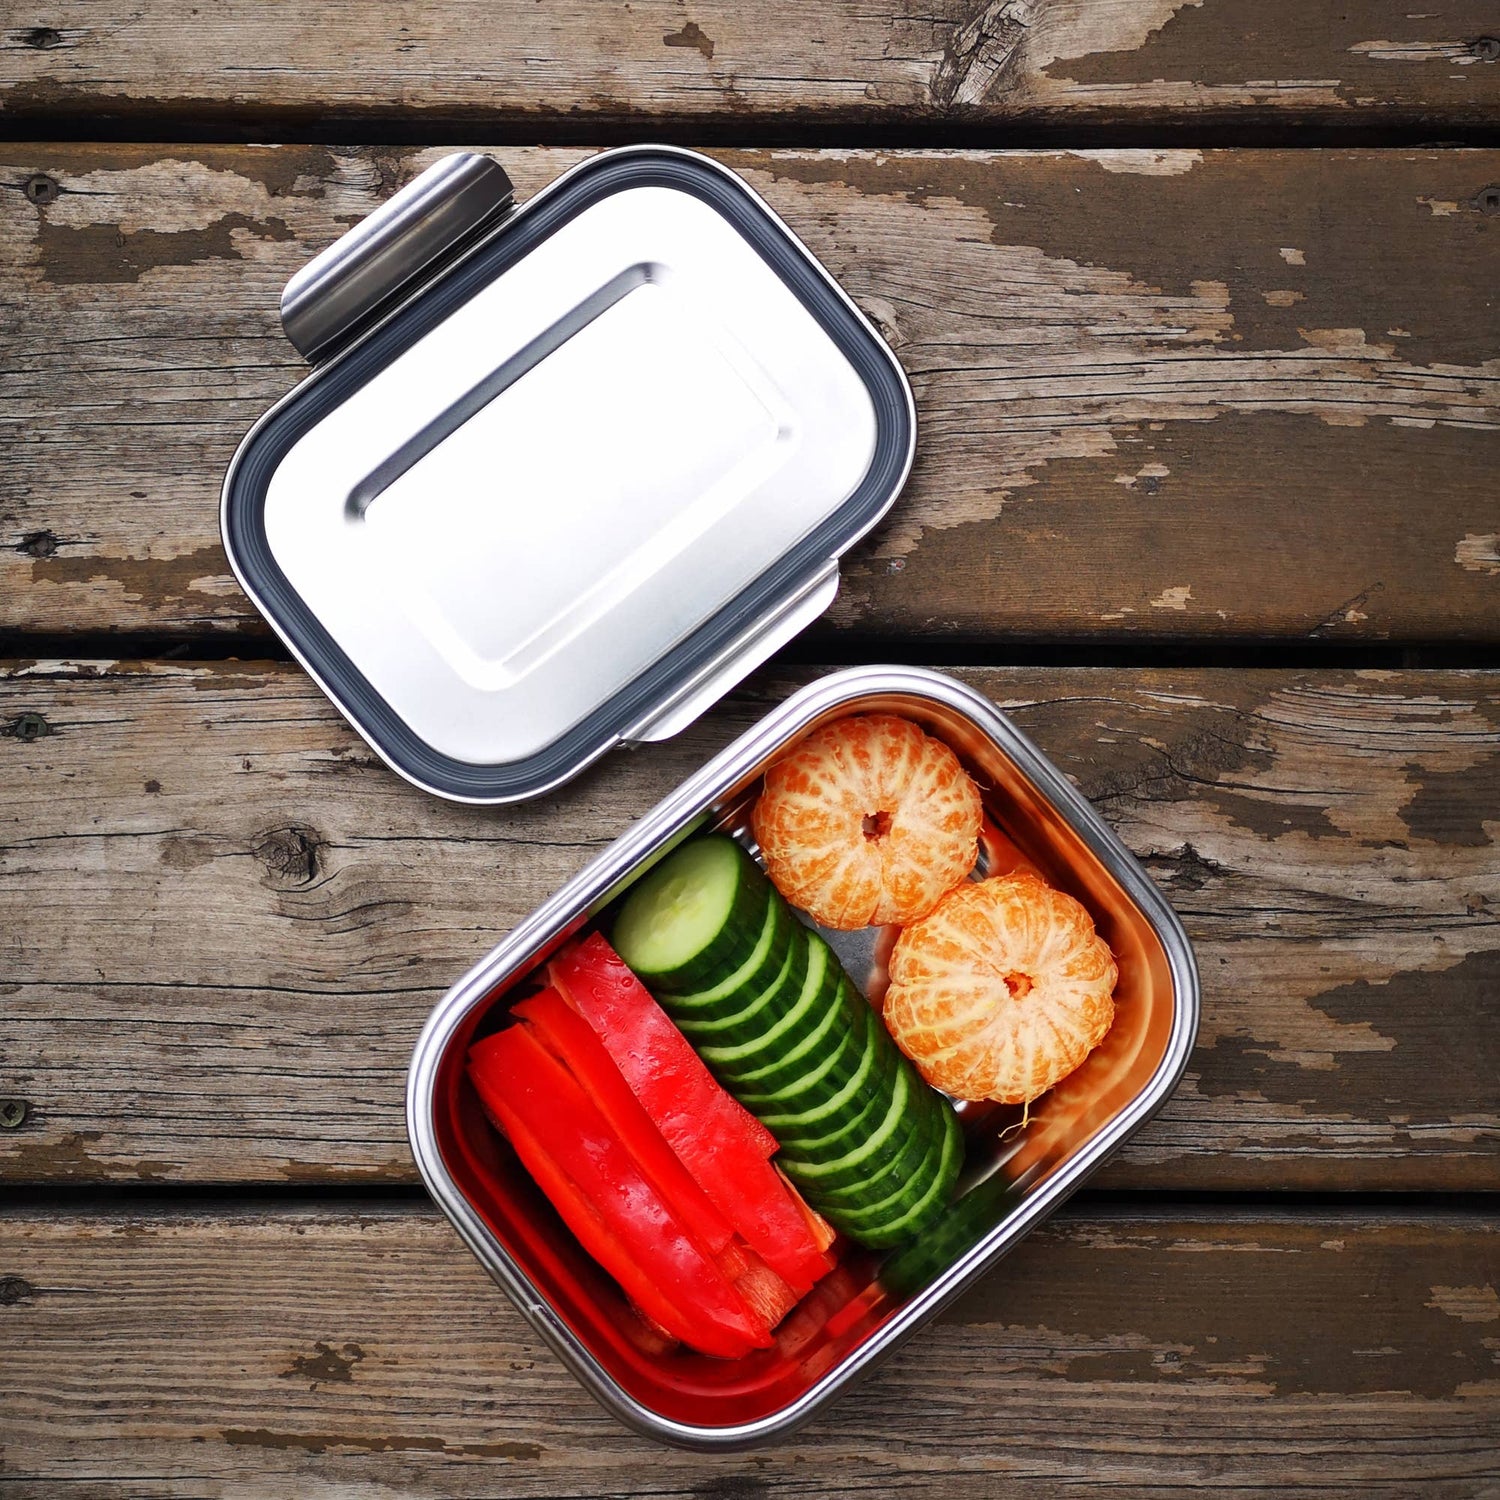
753,646
437,215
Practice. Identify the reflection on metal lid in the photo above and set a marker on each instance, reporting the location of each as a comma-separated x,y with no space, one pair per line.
608,453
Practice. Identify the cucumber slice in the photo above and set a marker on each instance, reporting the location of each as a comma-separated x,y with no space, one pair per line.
799,1129
855,1166
725,997
910,1173
928,1209
855,1124
765,998
818,994
819,1067
769,1077
695,918
819,1051
828,1020
890,1169
951,1235
903,1192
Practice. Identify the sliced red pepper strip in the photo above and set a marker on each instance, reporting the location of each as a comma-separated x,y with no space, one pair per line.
702,1123
576,1045
613,1208
764,1290
659,1064
823,1233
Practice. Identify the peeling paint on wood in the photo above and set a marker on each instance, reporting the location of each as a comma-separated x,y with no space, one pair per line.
692,35
1329,839
1144,163
1239,56
1065,317
1479,554
555,62
1469,1304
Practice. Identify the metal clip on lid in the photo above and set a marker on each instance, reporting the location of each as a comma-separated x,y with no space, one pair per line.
435,216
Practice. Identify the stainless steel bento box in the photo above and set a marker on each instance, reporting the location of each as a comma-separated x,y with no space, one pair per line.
564,474
851,1320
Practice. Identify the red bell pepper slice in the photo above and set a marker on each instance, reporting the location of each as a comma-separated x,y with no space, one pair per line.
764,1290
610,1204
720,1142
823,1233
574,1043
658,1062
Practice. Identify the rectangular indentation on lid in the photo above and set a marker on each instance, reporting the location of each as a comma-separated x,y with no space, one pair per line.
505,374
422,571
506,544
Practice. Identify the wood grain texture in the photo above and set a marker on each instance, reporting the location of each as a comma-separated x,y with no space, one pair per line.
550,66
1161,394
224,922
362,1351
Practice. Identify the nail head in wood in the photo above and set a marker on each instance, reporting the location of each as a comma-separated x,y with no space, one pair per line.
41,189
30,726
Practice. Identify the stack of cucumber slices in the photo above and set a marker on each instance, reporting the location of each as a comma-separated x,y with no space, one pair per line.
769,1008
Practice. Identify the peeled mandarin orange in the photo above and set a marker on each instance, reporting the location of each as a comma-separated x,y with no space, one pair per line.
868,821
1002,991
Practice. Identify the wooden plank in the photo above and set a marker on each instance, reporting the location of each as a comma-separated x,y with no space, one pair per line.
1042,66
363,1351
225,922
1162,394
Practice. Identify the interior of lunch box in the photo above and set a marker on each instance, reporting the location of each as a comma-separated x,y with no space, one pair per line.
1010,1158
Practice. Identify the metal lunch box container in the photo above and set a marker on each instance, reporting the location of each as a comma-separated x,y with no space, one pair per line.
1033,817
562,476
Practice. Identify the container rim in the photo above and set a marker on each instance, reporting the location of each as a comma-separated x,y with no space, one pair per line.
600,879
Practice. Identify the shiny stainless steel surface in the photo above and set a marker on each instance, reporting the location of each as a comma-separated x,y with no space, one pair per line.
761,639
580,470
1034,817
438,211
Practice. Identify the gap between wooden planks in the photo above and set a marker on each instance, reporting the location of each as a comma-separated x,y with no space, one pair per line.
1205,396
225,921
559,69
321,1352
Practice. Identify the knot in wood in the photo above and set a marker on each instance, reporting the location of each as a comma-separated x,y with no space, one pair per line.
981,53
290,855
14,1289
43,38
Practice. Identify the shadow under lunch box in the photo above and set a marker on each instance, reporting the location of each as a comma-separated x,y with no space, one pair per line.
563,476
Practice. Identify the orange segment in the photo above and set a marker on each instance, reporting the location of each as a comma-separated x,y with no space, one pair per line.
1002,991
868,821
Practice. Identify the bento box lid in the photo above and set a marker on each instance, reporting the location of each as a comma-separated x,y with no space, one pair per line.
565,473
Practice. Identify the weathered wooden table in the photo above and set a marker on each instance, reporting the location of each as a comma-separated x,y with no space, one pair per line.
1208,498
